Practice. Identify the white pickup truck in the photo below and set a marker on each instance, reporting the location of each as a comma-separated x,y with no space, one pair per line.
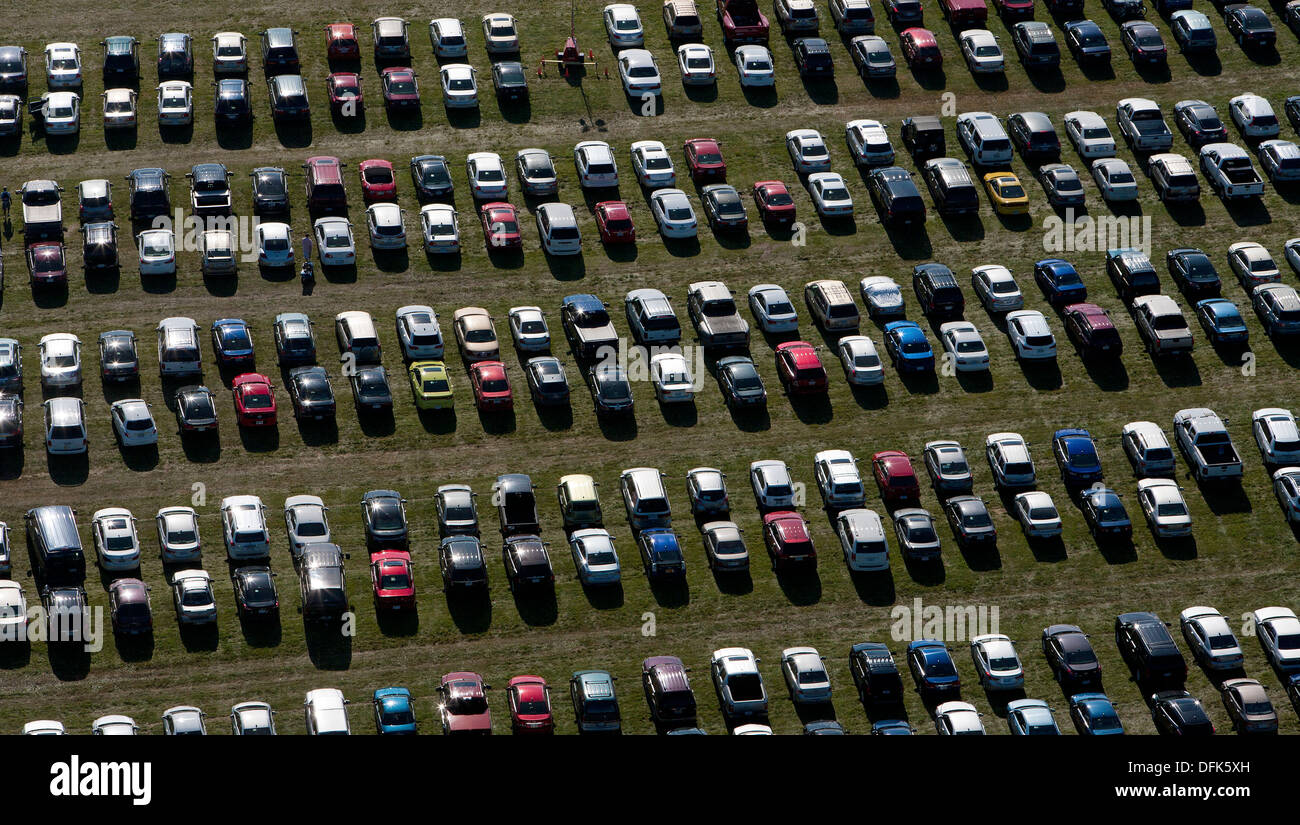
1229,171
1204,441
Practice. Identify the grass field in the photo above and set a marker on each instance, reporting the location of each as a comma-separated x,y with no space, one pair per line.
1243,557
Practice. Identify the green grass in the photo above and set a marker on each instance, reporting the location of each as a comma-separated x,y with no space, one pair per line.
1244,556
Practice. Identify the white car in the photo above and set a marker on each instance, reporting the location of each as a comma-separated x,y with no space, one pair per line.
1037,514
62,65
334,241
653,165
862,539
61,113
13,612
178,534
500,33
447,35
623,25
184,720
385,226
326,712
996,288
1286,487
1210,638
157,250
1254,116
1164,507
133,423
1278,630
229,53
60,360
830,195
1115,180
1147,448
65,426
808,151
528,329
487,176
44,727
243,528
672,378
861,361
193,598
557,228
274,243
175,103
439,227
981,51
963,343
117,546
996,662
805,676
639,71
868,143
252,719
772,309
882,296
754,64
119,108
306,520
459,86
958,719
1253,264
594,162
695,62
752,729
1090,135
418,332
838,479
773,488
1277,435
673,213
1009,460
1031,337
114,724
1293,253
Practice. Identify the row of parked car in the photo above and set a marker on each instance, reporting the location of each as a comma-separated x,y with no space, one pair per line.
1148,649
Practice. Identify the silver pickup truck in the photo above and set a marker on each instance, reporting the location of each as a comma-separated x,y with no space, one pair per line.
1205,443
1229,171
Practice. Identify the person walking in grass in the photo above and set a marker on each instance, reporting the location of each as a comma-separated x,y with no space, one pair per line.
4,201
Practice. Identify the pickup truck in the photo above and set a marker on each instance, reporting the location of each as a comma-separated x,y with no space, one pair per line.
42,210
1204,441
1229,171
1141,122
742,22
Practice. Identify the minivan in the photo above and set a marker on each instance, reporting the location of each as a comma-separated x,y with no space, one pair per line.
644,498
668,691
324,182
55,545
951,186
595,707
558,229
178,347
357,338
579,501
862,538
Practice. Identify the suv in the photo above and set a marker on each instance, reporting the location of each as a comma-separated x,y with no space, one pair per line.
668,692
951,186
982,136
595,707
923,136
1149,650
651,318
682,20
357,338
831,305
279,50
896,197
243,525
324,182
937,291
288,97
147,193
516,504
55,545
1174,178
644,498
178,347
1132,273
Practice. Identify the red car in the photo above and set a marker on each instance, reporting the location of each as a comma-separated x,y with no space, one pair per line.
788,541
393,579
704,160
614,222
342,87
47,263
254,400
775,206
491,386
341,42
920,49
378,183
896,479
800,368
529,700
500,226
463,705
1015,9
965,13
401,92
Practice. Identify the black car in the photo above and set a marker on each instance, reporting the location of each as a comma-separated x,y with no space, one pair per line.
1292,108
951,187
1086,42
196,410
1071,658
923,137
232,104
11,421
740,382
322,583
118,359
611,392
510,81
175,56
547,383
937,291
461,562
99,245
311,393
1199,123
1143,43
13,70
255,594
270,190
1194,273
121,60
1034,136
902,12
431,177
1035,44
875,674
1064,9
279,50
1179,713
370,389
723,208
527,562
1250,27
383,515
971,524
288,96
1149,650
1122,10
67,613
516,503
812,56
1132,274
147,192
896,197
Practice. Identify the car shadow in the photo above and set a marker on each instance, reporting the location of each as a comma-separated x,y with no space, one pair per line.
328,647
470,611
874,587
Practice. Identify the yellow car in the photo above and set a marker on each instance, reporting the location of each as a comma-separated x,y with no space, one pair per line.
1007,194
430,386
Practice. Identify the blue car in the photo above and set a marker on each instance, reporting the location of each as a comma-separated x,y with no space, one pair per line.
1060,282
1222,321
932,669
232,342
909,350
394,711
891,727
1076,455
1094,714
661,553
1031,717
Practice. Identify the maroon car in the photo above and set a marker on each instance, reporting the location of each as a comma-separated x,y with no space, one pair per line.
704,160
896,478
344,90
128,601
401,92
463,704
774,203
341,42
789,544
47,264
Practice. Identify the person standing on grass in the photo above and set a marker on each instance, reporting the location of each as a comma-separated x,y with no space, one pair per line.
306,247
4,200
